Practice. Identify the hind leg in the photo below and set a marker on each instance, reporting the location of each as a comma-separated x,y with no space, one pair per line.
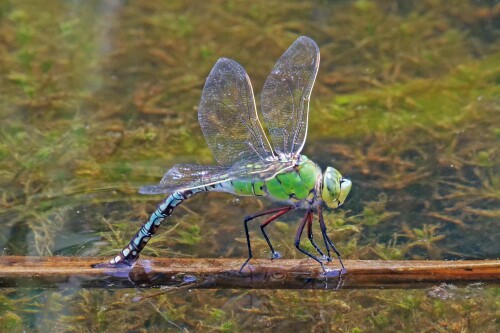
277,213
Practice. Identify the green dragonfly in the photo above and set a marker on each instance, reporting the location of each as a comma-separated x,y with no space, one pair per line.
247,163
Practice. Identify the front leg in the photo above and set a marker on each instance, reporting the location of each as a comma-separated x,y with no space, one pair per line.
328,243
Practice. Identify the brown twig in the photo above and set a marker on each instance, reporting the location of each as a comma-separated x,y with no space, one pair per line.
50,272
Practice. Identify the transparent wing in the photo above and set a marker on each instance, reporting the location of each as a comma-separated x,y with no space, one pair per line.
228,117
184,176
286,93
187,176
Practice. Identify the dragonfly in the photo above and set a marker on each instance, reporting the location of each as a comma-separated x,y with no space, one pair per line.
247,163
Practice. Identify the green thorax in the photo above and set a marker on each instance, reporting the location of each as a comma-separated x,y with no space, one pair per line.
295,184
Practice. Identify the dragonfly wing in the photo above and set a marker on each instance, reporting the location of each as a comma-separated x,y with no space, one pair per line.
259,170
186,176
228,117
286,93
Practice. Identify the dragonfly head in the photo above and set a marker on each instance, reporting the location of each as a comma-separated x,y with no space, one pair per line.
335,188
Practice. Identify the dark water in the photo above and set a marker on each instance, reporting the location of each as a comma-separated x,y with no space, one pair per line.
99,98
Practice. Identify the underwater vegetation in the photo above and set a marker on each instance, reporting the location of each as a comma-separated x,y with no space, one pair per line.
444,308
99,98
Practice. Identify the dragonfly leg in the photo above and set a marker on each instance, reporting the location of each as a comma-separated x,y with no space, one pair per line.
299,235
248,244
274,254
327,240
310,235
278,212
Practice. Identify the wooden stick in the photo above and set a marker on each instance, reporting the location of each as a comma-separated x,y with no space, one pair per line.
52,272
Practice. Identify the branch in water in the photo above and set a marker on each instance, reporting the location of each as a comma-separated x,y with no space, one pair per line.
52,272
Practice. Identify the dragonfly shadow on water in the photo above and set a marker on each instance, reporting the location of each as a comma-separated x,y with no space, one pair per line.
265,275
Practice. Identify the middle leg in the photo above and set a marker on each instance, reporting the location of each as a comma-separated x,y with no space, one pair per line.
310,235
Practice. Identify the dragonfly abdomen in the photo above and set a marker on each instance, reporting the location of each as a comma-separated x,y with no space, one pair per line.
131,252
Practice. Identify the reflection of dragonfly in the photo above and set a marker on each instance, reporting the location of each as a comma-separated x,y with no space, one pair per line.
247,163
